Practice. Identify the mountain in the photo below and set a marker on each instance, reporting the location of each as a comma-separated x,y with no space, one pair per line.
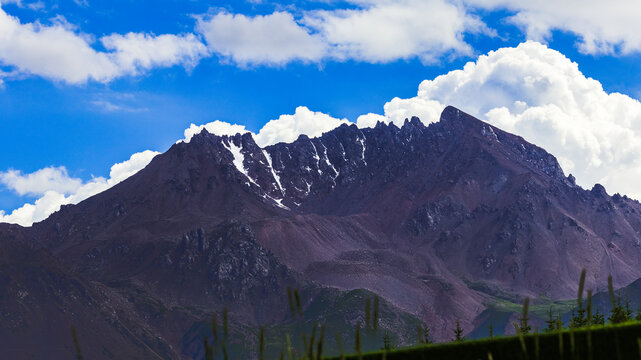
441,221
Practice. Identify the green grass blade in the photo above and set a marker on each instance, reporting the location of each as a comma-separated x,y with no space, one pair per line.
76,343
339,343
261,343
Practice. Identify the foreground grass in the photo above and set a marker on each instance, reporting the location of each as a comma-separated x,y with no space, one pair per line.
610,342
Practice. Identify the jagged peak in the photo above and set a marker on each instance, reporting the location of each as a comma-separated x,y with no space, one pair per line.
245,138
458,122
450,113
206,137
412,125
451,116
415,121
599,190
453,122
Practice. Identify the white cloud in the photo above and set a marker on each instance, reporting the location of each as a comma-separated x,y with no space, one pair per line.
39,210
136,52
270,39
109,106
33,5
41,181
371,31
57,188
370,120
37,5
217,127
538,93
388,30
383,31
428,110
123,170
375,31
54,52
17,2
114,101
604,27
287,128
58,52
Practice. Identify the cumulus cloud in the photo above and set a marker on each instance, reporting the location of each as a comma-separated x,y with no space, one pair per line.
60,53
68,56
44,206
370,31
538,93
134,52
375,31
41,181
123,170
56,188
604,27
264,39
287,128
370,120
383,31
217,127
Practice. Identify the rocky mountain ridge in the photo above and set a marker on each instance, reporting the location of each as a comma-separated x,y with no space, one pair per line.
439,220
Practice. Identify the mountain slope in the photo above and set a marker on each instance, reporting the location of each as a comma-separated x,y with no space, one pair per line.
41,300
162,306
439,220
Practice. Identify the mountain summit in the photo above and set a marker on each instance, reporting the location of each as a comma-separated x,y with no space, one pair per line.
439,220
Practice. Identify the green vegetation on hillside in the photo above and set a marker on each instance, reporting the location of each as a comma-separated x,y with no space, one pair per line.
610,342
586,334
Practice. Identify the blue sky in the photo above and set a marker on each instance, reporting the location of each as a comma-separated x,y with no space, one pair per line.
119,94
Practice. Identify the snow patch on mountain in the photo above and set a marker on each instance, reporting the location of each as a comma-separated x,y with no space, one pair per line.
239,159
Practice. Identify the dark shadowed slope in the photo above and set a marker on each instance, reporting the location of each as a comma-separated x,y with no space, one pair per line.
41,300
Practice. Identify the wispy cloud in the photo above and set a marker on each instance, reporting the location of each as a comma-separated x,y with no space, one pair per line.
109,106
115,101
32,5
81,3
